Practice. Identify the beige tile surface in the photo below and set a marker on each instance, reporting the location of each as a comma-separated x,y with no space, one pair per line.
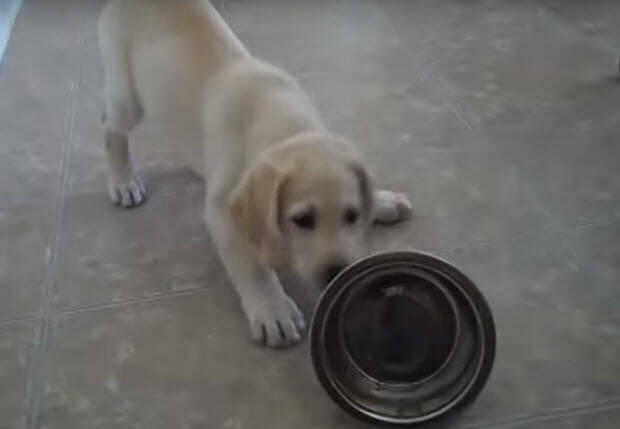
497,118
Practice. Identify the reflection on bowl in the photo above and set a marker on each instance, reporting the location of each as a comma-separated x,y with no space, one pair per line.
402,338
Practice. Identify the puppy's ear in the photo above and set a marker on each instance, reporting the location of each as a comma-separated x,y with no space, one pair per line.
366,189
256,209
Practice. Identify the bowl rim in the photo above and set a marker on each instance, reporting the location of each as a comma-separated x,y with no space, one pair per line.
484,323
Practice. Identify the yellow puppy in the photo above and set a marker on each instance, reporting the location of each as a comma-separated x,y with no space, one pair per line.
281,189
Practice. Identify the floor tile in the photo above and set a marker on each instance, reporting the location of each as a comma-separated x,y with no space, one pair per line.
597,19
361,80
459,197
37,82
36,89
595,419
507,62
311,52
598,250
572,170
415,140
185,362
110,254
24,254
557,332
497,118
16,343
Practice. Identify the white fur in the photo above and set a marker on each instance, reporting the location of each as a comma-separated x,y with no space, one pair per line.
260,144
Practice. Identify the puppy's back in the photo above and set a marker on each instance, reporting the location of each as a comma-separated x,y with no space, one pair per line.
168,49
196,22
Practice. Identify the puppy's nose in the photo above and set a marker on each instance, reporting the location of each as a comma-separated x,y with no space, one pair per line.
332,271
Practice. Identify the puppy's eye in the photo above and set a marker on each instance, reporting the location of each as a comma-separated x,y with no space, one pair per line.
351,216
305,221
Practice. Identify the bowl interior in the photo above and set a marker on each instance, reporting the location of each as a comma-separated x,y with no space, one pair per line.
399,328
402,338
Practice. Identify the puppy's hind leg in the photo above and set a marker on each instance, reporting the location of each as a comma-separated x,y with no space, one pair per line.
125,187
122,112
391,207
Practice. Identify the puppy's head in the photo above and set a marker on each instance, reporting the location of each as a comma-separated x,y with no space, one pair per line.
306,205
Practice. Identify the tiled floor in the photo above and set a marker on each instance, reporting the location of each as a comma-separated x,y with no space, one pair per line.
500,119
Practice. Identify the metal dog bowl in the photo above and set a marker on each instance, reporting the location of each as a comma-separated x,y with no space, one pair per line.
402,338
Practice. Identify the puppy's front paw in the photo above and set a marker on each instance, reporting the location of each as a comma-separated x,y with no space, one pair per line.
391,207
127,193
275,322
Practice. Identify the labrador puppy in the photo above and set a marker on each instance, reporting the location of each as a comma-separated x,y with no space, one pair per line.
282,191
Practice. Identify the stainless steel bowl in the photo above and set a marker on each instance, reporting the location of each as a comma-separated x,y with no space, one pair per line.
402,338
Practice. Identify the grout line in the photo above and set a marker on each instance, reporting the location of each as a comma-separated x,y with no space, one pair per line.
564,233
134,301
163,296
591,225
545,233
19,319
36,380
592,408
548,232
